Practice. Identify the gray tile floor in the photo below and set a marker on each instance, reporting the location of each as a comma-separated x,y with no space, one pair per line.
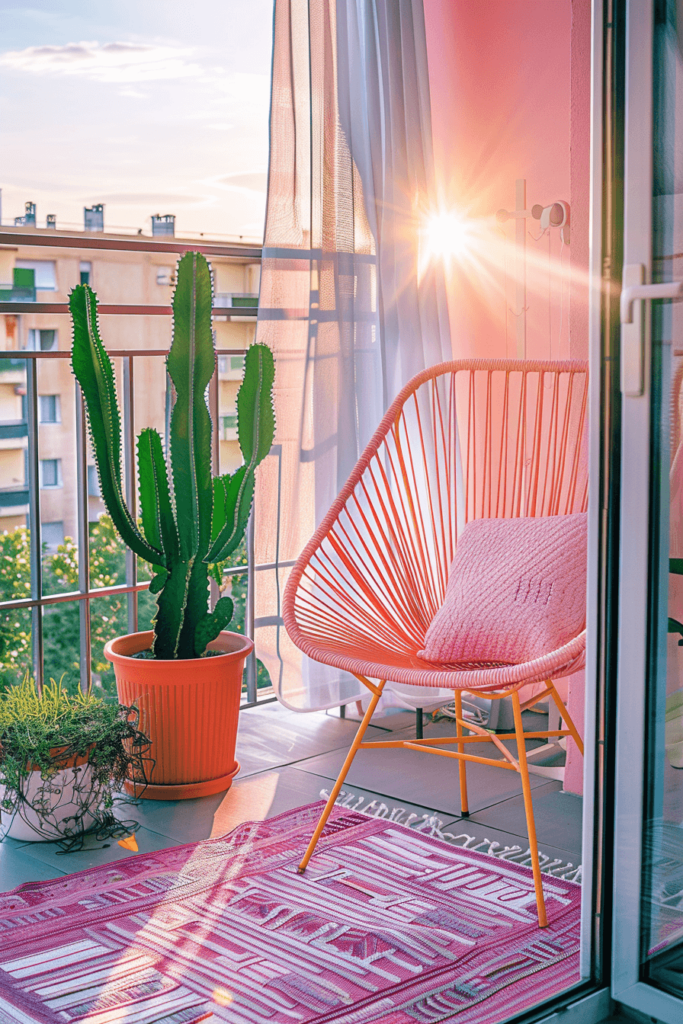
287,759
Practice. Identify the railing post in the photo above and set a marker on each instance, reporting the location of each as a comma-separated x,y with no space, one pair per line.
129,448
35,532
249,616
83,543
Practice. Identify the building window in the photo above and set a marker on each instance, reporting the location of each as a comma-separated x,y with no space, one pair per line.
52,535
93,482
48,409
50,472
227,427
41,341
165,276
45,275
231,367
86,272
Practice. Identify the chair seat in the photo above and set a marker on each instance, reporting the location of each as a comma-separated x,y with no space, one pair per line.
400,664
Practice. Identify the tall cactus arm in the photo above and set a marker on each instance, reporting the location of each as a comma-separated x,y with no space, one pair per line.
232,514
211,624
255,413
156,509
93,371
170,615
195,608
191,363
256,424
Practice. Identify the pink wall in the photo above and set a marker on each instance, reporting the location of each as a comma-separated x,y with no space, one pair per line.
506,104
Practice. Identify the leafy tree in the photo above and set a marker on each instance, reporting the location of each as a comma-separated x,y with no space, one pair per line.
108,615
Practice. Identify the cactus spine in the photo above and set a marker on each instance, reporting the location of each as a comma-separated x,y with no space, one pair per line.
191,520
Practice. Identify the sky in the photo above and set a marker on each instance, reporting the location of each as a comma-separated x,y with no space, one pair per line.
147,106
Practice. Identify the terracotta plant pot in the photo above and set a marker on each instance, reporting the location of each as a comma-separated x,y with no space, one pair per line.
189,709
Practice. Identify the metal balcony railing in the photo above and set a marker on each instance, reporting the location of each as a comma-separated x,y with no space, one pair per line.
13,428
37,601
13,497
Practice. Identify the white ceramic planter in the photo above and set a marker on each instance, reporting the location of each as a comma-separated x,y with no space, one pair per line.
48,804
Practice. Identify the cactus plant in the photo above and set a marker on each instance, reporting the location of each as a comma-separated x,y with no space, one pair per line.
191,520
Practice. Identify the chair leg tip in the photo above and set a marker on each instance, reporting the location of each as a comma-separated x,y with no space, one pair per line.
464,814
300,870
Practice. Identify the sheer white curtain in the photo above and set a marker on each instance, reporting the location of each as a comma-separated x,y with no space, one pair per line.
345,304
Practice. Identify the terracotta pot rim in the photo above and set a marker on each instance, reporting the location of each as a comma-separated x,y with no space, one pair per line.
244,649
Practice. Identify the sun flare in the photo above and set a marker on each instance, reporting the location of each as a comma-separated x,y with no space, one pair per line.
447,234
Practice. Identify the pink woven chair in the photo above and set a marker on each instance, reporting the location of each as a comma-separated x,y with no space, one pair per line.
463,440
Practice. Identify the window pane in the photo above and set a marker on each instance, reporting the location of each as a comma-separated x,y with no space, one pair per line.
44,275
108,619
15,583
52,535
47,340
50,472
662,906
48,408
15,636
93,482
61,631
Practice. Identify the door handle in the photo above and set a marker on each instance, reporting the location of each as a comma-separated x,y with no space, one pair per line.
633,292
632,356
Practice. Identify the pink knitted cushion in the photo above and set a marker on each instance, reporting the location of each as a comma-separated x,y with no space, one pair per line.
516,591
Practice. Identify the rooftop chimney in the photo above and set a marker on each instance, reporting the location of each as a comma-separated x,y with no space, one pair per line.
163,225
93,217
29,218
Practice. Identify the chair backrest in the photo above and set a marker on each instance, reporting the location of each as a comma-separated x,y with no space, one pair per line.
463,440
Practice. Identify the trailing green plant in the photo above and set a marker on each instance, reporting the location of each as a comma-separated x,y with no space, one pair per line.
51,731
189,519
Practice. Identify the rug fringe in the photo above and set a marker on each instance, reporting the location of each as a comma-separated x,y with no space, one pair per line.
433,826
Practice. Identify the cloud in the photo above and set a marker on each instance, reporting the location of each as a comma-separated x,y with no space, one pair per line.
253,180
105,62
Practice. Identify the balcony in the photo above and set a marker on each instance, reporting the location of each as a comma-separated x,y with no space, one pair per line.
17,294
15,498
246,304
286,759
13,428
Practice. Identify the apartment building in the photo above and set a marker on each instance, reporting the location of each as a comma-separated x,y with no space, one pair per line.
42,275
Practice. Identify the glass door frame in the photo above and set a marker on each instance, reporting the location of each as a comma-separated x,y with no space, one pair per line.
635,530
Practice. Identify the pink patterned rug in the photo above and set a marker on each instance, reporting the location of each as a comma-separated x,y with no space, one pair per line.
386,925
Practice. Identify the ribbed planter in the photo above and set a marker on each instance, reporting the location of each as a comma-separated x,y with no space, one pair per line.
189,709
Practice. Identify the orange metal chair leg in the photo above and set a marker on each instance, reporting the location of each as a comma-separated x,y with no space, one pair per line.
462,765
564,715
529,810
358,739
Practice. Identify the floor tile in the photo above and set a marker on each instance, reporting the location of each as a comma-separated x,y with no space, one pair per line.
181,821
486,833
557,815
94,853
17,867
270,793
263,796
421,779
272,736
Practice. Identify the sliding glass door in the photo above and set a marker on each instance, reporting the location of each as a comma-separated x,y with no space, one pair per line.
648,933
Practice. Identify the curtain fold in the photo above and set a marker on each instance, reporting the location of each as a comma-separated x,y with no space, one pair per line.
348,304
